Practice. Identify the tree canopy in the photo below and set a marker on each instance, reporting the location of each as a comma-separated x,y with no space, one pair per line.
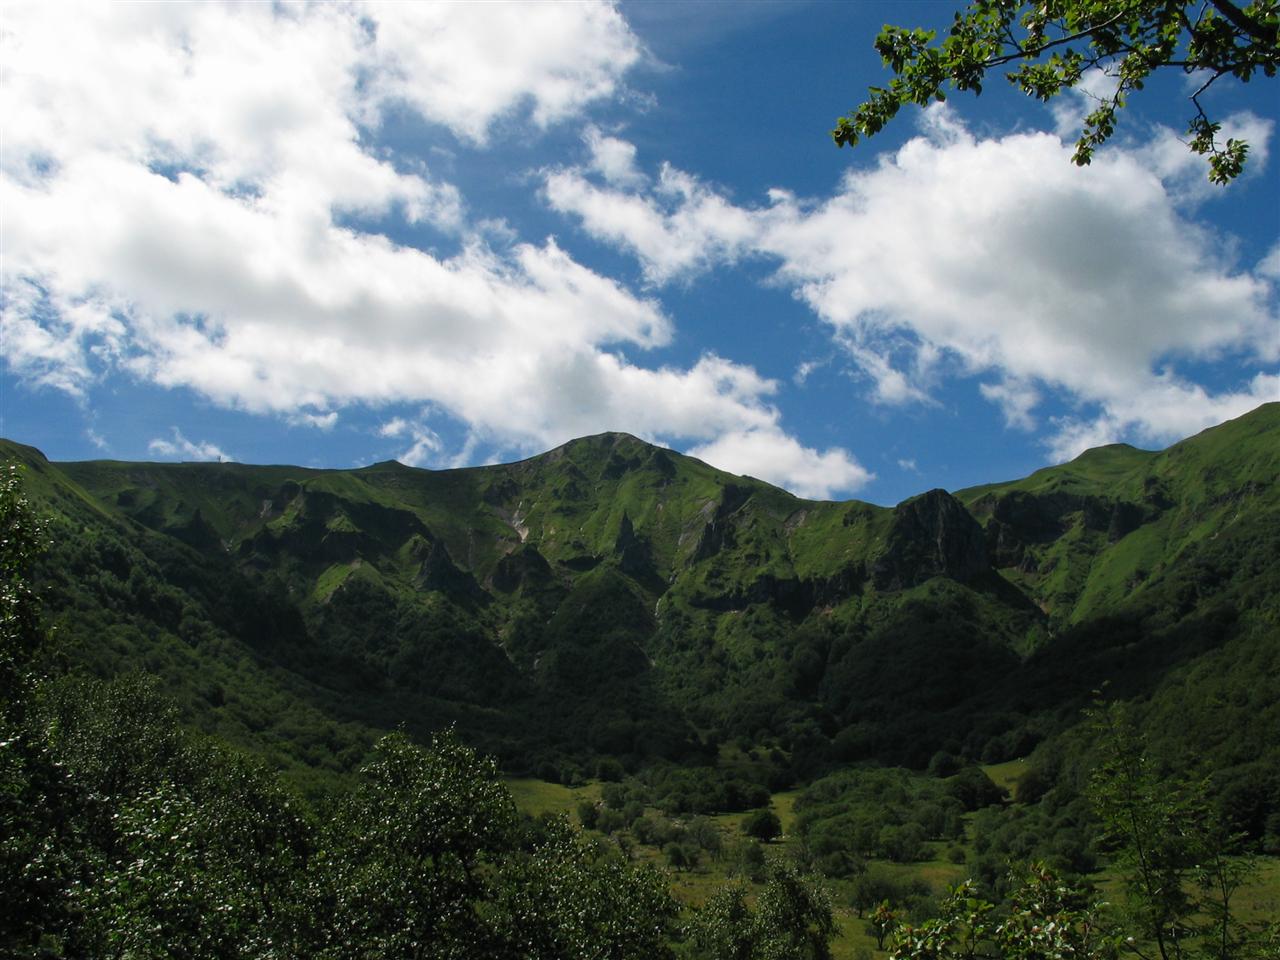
1051,45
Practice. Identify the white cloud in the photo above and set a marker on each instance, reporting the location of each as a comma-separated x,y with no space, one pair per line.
395,427
613,159
53,339
319,421
804,369
1169,410
1186,174
425,448
183,448
985,256
468,65
769,454
178,181
681,228
1269,265
1004,256
1016,399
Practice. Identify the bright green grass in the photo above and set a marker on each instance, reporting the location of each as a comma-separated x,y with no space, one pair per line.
331,580
1006,775
784,805
536,797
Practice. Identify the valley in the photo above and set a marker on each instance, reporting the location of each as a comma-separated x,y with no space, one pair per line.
666,648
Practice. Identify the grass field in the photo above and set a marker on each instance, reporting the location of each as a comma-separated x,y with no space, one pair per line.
1006,775
536,797
1256,903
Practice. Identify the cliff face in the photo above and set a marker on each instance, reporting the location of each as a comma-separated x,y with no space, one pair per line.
932,535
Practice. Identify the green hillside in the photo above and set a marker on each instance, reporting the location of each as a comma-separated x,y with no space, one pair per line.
612,599
701,661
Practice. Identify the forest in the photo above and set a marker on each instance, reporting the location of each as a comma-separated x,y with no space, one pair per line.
199,763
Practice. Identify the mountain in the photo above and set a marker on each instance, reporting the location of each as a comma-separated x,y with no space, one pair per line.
615,599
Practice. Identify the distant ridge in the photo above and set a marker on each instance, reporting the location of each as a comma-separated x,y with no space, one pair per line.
612,597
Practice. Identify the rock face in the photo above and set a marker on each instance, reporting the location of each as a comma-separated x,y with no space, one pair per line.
1018,521
931,535
437,571
523,568
634,554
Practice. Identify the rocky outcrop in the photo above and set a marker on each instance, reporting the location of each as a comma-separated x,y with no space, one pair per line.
1018,520
437,571
718,534
795,596
635,557
521,569
931,535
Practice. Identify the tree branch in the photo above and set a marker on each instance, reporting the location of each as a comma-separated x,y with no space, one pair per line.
1024,54
1242,21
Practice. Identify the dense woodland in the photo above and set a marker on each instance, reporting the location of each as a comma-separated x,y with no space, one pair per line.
248,710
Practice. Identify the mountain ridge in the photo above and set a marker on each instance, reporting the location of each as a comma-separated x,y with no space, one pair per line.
614,597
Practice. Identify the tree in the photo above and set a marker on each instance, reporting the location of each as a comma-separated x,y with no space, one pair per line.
763,825
21,539
401,865
564,900
795,916
724,928
1046,920
1180,863
1052,44
793,920
882,923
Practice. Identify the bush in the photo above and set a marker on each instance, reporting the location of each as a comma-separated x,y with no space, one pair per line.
974,789
763,825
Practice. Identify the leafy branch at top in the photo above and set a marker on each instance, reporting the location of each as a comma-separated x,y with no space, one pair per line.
1055,43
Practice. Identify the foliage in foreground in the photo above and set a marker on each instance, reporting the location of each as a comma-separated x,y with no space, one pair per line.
129,837
124,835
1054,44
1046,919
792,919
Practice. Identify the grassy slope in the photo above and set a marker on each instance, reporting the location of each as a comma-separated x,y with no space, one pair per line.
1199,488
1203,505
750,607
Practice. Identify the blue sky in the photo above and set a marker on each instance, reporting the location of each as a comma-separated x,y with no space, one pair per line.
454,234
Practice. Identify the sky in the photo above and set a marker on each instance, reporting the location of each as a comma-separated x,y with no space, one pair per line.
455,234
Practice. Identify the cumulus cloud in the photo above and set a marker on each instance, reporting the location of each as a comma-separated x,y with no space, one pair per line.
1004,257
769,454
181,448
679,228
613,159
1269,265
1169,409
180,184
319,421
980,257
466,65
425,448
395,427
1016,399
